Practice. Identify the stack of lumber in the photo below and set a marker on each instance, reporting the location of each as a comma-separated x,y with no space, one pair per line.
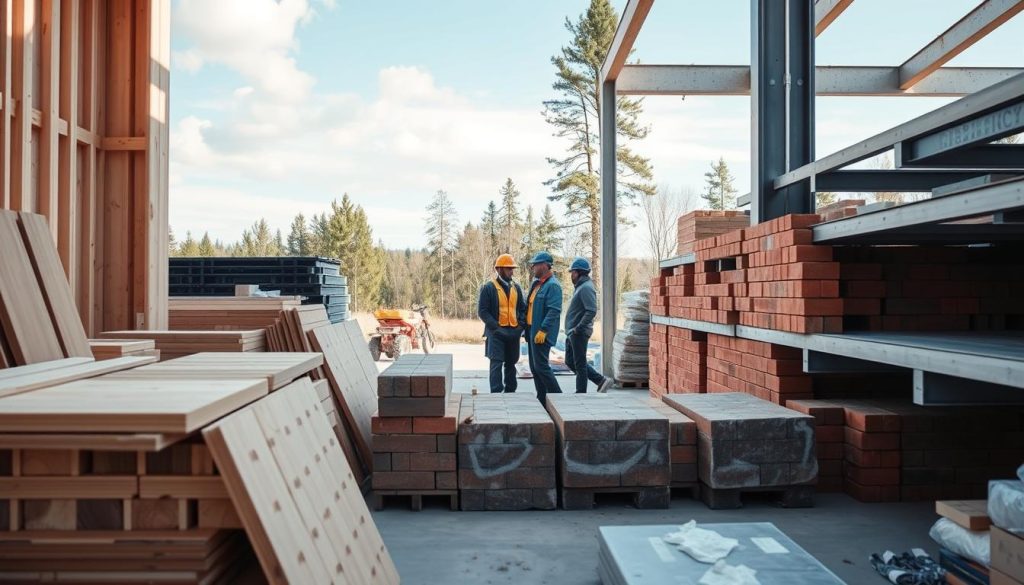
227,313
682,445
698,225
105,349
611,443
175,344
318,280
895,451
748,444
38,318
293,328
414,430
506,453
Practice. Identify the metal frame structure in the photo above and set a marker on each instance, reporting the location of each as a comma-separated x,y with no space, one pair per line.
948,152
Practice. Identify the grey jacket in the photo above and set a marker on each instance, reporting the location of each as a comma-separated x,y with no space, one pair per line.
579,319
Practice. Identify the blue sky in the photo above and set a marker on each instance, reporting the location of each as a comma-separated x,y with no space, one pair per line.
278,106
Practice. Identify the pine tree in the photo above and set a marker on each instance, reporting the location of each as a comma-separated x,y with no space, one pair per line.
719,191
441,242
509,220
489,225
320,243
548,232
823,198
575,116
206,247
258,241
299,237
189,247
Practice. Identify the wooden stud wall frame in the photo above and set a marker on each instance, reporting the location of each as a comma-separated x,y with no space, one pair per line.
84,88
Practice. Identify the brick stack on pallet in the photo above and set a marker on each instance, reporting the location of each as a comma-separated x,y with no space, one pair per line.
768,371
506,453
748,444
609,443
698,225
687,360
415,431
829,441
658,359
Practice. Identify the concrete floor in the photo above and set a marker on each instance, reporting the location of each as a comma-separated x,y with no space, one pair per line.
557,547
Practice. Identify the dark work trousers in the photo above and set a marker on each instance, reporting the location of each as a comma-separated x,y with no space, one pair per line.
507,348
576,359
540,366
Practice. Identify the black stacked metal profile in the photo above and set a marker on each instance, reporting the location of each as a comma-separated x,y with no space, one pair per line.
317,279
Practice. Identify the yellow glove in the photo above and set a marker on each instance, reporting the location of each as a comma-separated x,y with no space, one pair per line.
540,338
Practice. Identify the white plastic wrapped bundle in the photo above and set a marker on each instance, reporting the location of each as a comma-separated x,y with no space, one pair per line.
630,345
1006,504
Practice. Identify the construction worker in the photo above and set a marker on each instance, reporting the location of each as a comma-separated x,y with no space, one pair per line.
579,326
543,312
502,307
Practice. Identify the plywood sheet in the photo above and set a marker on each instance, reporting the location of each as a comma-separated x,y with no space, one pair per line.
148,442
277,368
42,367
117,405
46,378
296,496
54,285
28,329
355,391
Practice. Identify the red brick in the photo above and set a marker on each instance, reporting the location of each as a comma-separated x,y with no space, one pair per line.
434,425
390,425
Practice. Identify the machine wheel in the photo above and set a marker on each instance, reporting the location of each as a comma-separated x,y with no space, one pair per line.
374,345
403,345
427,341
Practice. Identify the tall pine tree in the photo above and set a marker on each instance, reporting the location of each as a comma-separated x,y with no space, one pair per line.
575,116
298,237
489,225
510,222
719,192
441,232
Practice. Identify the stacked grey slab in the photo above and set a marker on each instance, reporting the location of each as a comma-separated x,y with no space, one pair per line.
415,385
611,443
746,444
637,555
506,453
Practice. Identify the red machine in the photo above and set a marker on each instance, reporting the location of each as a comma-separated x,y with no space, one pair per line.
399,332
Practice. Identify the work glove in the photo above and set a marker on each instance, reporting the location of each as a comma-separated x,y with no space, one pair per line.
540,338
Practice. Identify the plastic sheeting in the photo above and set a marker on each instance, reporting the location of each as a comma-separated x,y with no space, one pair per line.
1006,504
631,343
971,544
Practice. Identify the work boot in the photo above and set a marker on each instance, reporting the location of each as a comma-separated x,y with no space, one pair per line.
605,385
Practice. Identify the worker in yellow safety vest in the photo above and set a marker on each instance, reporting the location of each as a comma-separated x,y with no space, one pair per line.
502,307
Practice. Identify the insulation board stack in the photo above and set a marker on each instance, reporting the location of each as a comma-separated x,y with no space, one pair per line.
415,429
747,444
611,443
506,453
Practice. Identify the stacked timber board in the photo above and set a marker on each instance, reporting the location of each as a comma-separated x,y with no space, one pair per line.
749,444
38,318
293,330
506,453
105,349
175,344
611,443
317,279
638,555
414,430
227,313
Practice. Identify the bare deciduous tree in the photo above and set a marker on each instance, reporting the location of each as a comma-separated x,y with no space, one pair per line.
659,214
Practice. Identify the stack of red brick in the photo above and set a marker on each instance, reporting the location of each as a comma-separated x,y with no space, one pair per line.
768,371
698,225
658,359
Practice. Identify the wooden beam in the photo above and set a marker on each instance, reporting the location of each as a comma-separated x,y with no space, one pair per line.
24,34
116,195
987,17
83,136
625,35
6,25
49,107
158,84
123,143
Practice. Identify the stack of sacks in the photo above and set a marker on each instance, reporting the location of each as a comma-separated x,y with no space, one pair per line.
632,342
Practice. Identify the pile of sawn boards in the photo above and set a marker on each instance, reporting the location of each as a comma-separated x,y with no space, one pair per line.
317,279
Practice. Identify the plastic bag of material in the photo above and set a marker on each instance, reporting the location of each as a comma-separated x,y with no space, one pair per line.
970,544
631,344
1006,504
705,546
725,574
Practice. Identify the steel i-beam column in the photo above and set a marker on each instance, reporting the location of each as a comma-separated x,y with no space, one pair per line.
609,225
781,105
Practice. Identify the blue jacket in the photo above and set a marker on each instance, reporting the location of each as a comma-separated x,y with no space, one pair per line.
579,319
547,309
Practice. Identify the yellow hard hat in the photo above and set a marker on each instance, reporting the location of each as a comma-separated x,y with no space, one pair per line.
505,261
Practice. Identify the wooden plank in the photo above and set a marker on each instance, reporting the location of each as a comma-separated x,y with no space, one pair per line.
23,312
6,105
105,349
970,514
218,514
18,371
297,529
54,285
46,462
278,369
144,406
171,486
48,103
356,395
67,180
46,379
132,143
24,33
83,487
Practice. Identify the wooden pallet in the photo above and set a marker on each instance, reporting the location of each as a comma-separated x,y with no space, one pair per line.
380,497
641,385
692,489
644,498
793,496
